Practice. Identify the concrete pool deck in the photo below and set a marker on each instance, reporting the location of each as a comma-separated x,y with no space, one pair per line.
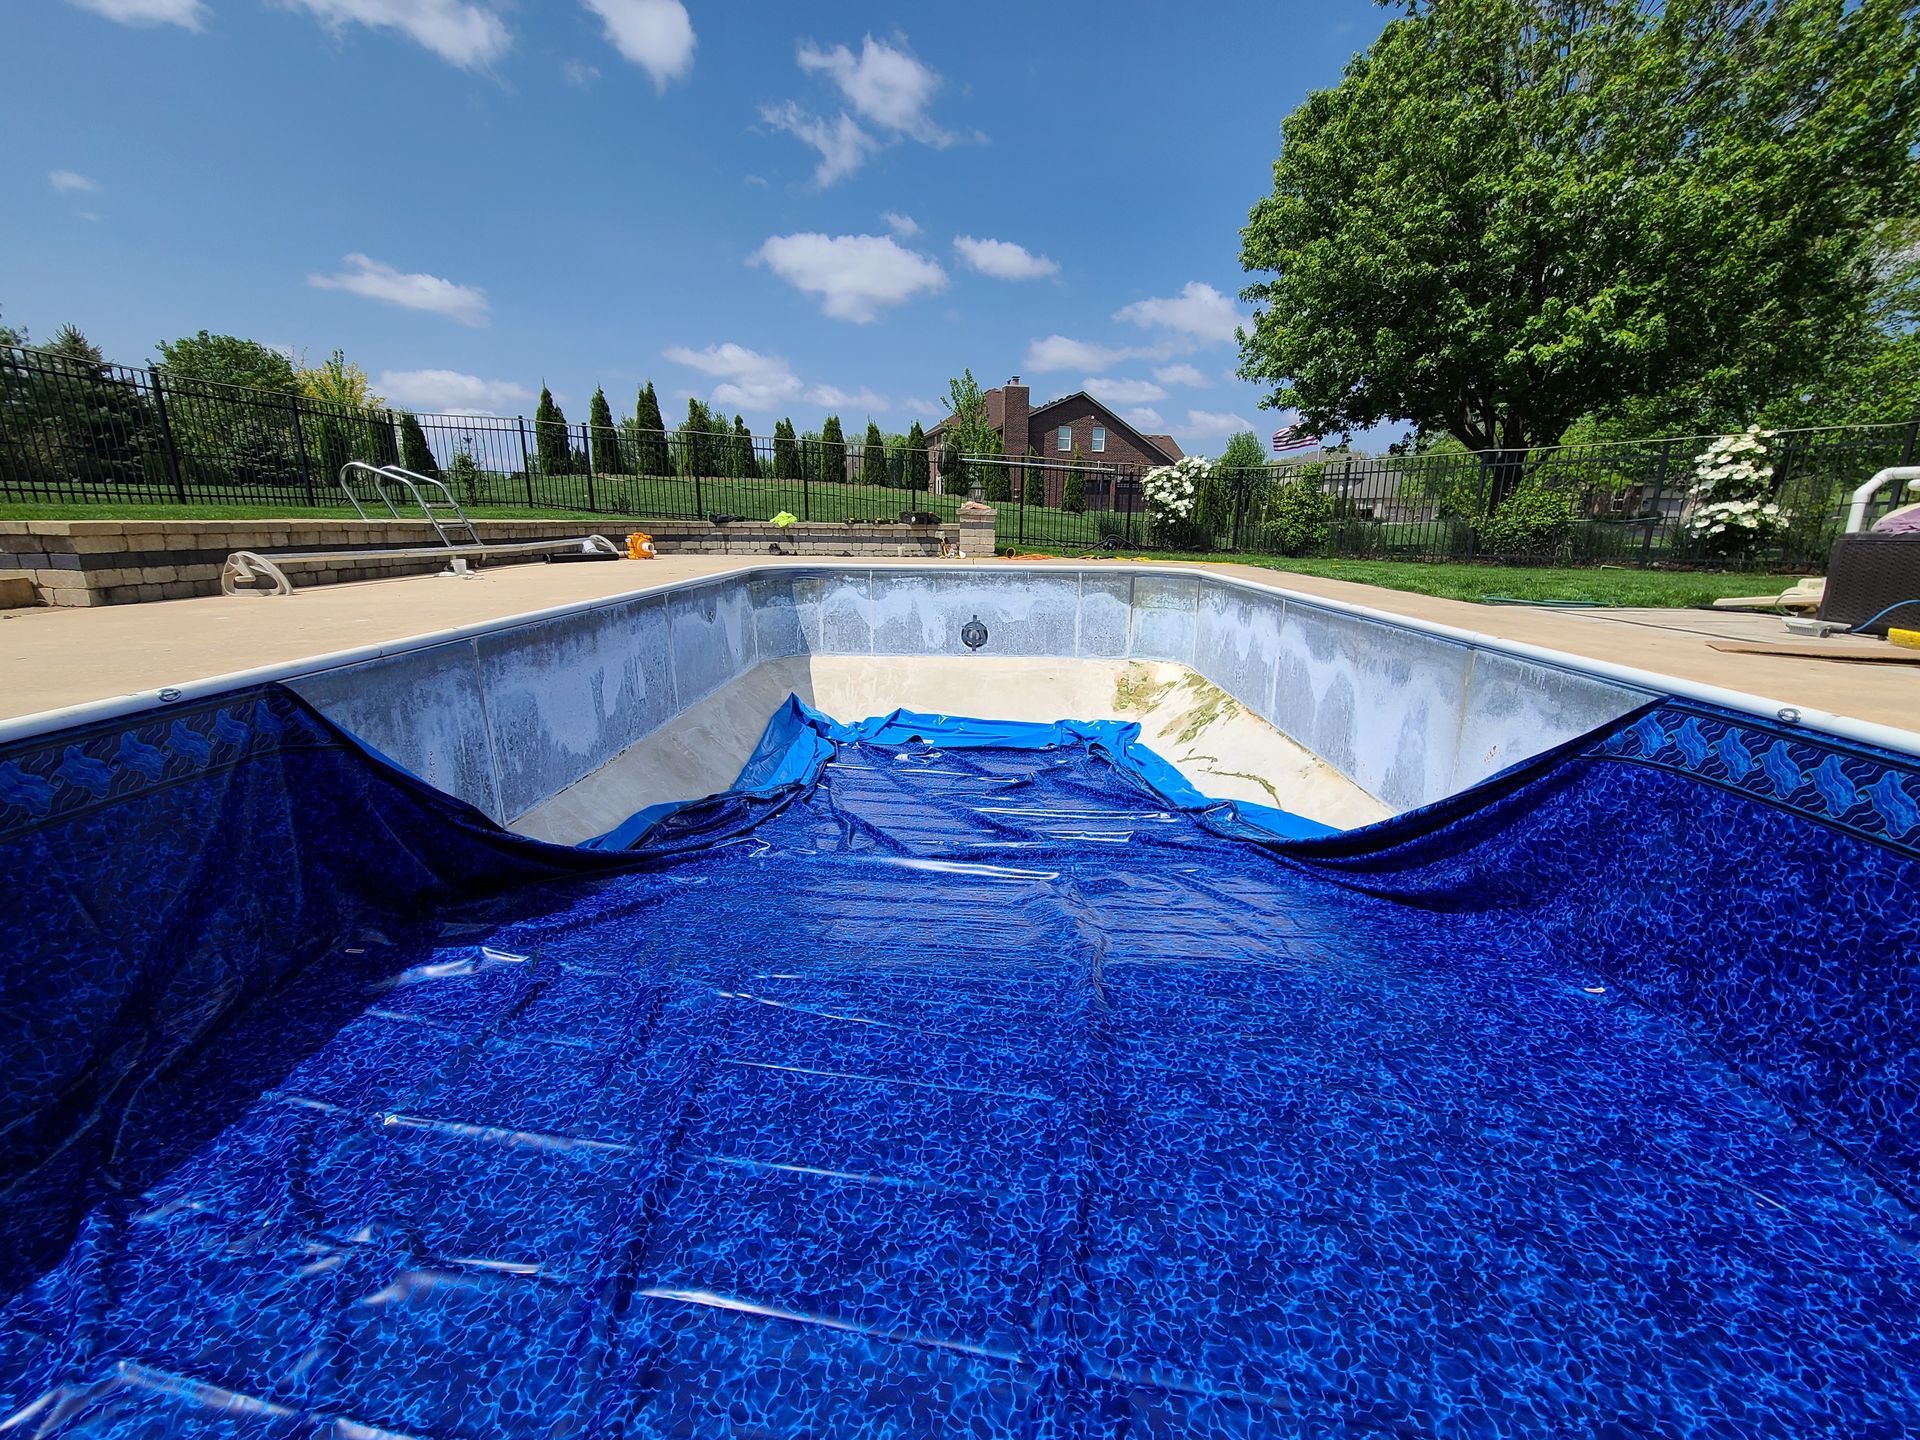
52,658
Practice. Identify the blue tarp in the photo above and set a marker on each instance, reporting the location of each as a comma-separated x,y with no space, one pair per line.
938,1088
799,740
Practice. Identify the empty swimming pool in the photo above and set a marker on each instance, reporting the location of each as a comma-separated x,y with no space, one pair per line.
958,1074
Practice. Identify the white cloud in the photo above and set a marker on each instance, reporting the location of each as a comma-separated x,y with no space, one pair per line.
856,276
835,398
843,145
1123,392
904,226
915,405
378,281
1182,374
1199,312
656,35
1057,352
188,14
463,34
449,392
1145,419
1002,259
749,380
1211,424
68,182
885,85
580,74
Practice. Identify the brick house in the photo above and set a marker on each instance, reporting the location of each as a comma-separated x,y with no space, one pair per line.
1115,453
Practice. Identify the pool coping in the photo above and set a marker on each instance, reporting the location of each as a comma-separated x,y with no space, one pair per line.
1888,737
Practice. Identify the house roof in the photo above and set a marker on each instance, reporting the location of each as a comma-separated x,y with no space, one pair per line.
1165,445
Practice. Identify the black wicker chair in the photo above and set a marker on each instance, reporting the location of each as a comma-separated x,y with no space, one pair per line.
1867,573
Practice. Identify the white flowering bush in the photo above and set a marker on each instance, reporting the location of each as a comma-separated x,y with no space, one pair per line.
1727,510
1171,492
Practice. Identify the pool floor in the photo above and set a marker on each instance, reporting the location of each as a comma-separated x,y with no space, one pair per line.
972,1094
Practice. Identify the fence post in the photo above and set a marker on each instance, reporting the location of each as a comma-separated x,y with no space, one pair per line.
526,460
806,497
1906,443
586,436
166,435
300,449
1659,494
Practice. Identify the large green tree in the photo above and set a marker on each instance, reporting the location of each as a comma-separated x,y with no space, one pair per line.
415,454
873,456
969,434
550,436
917,468
833,451
604,437
1513,213
227,360
786,451
746,464
650,435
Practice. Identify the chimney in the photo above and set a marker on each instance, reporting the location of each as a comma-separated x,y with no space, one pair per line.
1013,422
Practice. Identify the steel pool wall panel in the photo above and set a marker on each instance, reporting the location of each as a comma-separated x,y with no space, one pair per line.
566,695
424,710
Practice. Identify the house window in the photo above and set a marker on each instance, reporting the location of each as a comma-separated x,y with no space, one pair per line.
1099,438
1065,439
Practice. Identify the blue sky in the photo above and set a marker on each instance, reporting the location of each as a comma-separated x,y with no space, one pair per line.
788,209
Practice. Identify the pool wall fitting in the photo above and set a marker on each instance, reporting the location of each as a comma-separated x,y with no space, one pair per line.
507,714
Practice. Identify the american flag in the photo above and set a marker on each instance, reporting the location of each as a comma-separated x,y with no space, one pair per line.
1292,437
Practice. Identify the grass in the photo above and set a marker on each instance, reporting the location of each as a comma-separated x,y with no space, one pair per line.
1064,534
1600,586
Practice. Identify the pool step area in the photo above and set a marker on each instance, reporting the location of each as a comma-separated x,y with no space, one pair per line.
1225,750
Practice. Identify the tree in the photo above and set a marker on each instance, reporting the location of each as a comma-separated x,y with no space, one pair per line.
786,452
918,472
650,435
1033,492
552,443
1073,496
833,451
415,454
69,418
227,360
971,433
345,420
745,463
607,458
706,442
873,456
1511,213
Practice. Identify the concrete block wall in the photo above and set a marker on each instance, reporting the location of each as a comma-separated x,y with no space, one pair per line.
514,715
120,562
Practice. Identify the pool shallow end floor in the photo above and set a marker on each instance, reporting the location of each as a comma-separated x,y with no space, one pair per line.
974,1092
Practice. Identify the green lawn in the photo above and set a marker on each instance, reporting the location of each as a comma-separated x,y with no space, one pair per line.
1046,531
1602,586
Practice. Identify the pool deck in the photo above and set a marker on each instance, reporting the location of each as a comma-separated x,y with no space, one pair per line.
53,658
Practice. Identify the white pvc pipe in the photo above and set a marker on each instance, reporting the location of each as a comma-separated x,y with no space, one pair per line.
1857,511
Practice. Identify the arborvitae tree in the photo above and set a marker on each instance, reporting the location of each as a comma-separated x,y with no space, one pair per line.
1073,497
745,463
550,436
810,451
873,456
999,481
833,451
415,454
897,462
650,436
607,458
917,467
786,451
1034,493
696,440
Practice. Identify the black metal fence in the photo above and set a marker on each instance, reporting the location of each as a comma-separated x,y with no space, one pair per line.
77,433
